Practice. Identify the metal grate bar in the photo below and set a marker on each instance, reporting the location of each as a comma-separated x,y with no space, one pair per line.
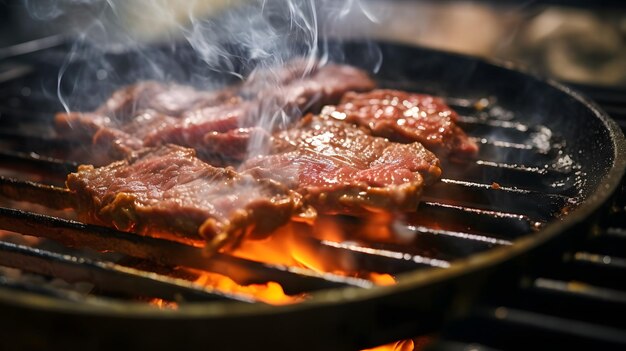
477,221
541,179
435,243
505,152
378,259
534,204
76,234
106,276
610,242
581,290
563,326
47,195
36,164
45,290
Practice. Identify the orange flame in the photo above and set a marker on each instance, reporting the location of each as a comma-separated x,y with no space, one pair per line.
270,292
163,304
382,279
403,345
416,344
297,245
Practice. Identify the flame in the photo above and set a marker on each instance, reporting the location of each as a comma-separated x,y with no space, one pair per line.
297,245
382,279
378,227
270,292
163,304
416,344
402,345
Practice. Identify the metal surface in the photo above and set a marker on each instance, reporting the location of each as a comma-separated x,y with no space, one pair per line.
574,300
351,318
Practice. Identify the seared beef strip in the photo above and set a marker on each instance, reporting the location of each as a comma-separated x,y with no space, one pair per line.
406,117
190,130
168,192
292,96
300,90
129,102
167,99
340,168
145,115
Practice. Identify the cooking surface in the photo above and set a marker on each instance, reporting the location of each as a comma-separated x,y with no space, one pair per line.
574,298
444,229
567,292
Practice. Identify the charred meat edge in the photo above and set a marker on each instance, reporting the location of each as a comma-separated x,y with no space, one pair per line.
98,202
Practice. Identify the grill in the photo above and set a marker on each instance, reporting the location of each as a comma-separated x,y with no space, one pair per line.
575,299
523,181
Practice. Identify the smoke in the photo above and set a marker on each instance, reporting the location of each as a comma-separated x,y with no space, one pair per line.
50,10
230,37
207,44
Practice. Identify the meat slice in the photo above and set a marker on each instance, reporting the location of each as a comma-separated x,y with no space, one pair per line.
168,192
131,101
151,114
406,117
274,103
167,99
340,168
191,129
302,89
134,113
124,139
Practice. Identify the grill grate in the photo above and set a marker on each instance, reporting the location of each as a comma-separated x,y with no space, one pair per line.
578,297
462,215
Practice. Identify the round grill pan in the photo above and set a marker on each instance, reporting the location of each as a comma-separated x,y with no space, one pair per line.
352,318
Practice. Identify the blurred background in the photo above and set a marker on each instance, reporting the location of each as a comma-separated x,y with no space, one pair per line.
573,41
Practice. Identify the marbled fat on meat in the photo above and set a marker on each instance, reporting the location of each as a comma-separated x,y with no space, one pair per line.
406,117
168,192
151,114
341,168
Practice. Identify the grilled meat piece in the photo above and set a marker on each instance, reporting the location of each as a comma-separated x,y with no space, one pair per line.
232,147
125,138
298,88
167,99
340,168
128,103
406,117
270,107
168,192
150,114
190,130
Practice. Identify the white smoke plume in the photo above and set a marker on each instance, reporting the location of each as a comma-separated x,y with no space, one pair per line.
233,37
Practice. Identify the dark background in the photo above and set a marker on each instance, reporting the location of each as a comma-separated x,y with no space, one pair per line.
573,41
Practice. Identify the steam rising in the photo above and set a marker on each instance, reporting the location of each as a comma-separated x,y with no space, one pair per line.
232,39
